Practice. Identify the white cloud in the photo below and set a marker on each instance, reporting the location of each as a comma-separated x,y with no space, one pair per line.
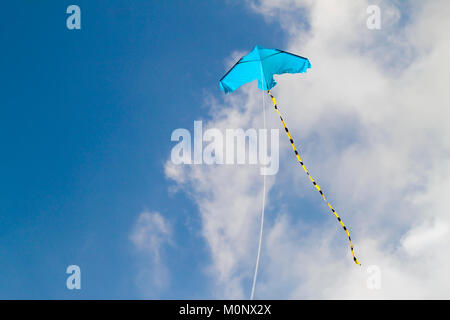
371,119
150,234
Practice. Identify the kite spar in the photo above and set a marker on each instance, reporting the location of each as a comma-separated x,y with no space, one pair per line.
262,64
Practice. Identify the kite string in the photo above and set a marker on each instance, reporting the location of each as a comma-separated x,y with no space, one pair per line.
262,214
311,178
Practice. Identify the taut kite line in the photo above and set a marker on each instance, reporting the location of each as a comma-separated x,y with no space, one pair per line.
262,64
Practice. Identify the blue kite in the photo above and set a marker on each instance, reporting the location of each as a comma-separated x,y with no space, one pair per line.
262,64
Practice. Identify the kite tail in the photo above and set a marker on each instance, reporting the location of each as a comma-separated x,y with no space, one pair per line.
311,178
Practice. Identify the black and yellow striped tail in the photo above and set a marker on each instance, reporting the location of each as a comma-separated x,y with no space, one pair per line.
311,178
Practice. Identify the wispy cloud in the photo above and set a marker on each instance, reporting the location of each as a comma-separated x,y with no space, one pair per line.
151,233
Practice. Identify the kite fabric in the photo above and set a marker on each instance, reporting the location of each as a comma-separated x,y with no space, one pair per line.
262,64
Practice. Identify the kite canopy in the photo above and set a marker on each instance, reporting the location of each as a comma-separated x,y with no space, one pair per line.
262,64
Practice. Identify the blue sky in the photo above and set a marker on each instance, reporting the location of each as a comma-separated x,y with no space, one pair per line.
85,130
86,175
